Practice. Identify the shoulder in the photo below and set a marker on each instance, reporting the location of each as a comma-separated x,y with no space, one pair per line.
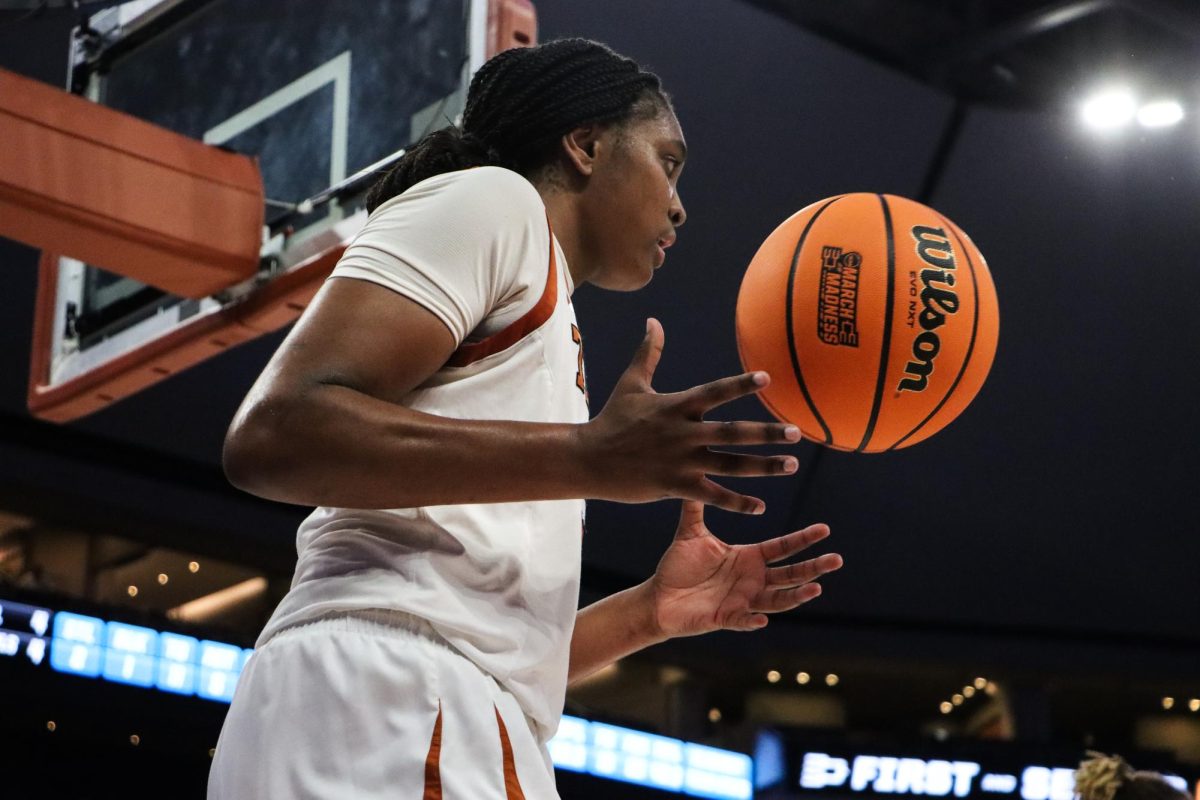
480,192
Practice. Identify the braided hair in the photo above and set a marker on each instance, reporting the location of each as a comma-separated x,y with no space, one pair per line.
1105,777
518,106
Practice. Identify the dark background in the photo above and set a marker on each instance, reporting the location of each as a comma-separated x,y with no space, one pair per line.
1059,510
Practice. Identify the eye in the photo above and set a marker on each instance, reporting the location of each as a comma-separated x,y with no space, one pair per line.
672,165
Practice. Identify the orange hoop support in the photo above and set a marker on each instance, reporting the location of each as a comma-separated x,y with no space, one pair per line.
112,190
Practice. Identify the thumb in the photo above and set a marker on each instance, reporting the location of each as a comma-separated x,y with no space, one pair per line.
640,372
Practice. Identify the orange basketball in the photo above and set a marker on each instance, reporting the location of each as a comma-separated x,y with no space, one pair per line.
876,318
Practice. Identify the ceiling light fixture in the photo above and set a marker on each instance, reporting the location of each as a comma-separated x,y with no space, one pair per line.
1160,114
1109,109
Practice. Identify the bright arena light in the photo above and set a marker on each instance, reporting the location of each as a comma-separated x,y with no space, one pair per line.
1111,108
1160,114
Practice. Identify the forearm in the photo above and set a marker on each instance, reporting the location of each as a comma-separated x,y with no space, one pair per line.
612,628
339,447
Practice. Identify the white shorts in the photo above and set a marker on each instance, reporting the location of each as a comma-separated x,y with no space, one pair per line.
370,705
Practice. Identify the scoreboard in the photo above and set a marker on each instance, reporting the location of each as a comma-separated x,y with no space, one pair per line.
90,647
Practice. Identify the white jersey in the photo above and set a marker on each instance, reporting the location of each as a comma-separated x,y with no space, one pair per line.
499,582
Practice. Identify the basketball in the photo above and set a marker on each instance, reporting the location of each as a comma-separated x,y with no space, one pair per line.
875,316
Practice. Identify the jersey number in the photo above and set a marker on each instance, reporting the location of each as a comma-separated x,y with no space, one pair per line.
580,375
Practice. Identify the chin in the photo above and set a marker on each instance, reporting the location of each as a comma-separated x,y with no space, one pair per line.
626,280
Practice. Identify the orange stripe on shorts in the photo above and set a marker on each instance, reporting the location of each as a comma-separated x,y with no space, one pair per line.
433,773
512,785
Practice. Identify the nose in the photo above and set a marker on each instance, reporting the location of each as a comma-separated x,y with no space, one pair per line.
677,215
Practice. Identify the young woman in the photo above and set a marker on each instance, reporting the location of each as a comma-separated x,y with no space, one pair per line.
432,404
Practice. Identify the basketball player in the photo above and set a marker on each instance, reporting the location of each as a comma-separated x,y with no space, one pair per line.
432,404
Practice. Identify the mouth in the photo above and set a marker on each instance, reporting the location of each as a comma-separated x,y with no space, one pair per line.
662,246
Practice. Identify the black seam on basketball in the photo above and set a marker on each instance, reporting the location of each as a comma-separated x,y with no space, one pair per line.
790,327
886,346
970,344
762,398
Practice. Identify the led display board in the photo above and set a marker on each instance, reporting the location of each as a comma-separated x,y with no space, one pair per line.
646,759
979,771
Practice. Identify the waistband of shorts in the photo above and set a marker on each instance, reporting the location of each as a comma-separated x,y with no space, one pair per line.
372,621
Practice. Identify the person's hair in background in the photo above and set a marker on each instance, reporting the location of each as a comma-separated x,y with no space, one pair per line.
1105,777
518,105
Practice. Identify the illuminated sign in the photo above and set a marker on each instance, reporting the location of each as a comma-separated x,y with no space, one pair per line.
878,774
646,759
145,657
91,647
177,663
23,631
889,775
220,665
131,656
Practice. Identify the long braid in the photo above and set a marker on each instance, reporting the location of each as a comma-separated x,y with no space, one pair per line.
520,103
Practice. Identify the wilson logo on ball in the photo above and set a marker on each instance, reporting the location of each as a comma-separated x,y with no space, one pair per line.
933,247
837,316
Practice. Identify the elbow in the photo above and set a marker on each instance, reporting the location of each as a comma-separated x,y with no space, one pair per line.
252,453
241,459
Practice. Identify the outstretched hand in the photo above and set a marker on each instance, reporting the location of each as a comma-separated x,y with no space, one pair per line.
646,446
703,584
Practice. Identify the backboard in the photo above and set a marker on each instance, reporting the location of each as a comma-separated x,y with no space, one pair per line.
322,94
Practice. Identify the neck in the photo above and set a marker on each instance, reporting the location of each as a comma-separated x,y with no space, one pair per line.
566,219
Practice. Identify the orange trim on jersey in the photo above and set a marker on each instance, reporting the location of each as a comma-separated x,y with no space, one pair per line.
529,322
433,773
512,785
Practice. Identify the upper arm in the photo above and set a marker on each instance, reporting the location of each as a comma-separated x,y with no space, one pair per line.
363,336
354,334
426,271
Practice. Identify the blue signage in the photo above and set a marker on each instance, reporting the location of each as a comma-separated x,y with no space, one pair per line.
129,654
646,759
78,644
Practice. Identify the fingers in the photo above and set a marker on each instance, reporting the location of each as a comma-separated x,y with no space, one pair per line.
640,372
691,516
803,572
740,465
710,395
772,601
749,433
746,622
713,494
782,547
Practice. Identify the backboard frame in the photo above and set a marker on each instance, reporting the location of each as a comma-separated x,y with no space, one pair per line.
68,381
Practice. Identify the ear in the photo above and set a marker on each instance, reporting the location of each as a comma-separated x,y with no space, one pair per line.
579,146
